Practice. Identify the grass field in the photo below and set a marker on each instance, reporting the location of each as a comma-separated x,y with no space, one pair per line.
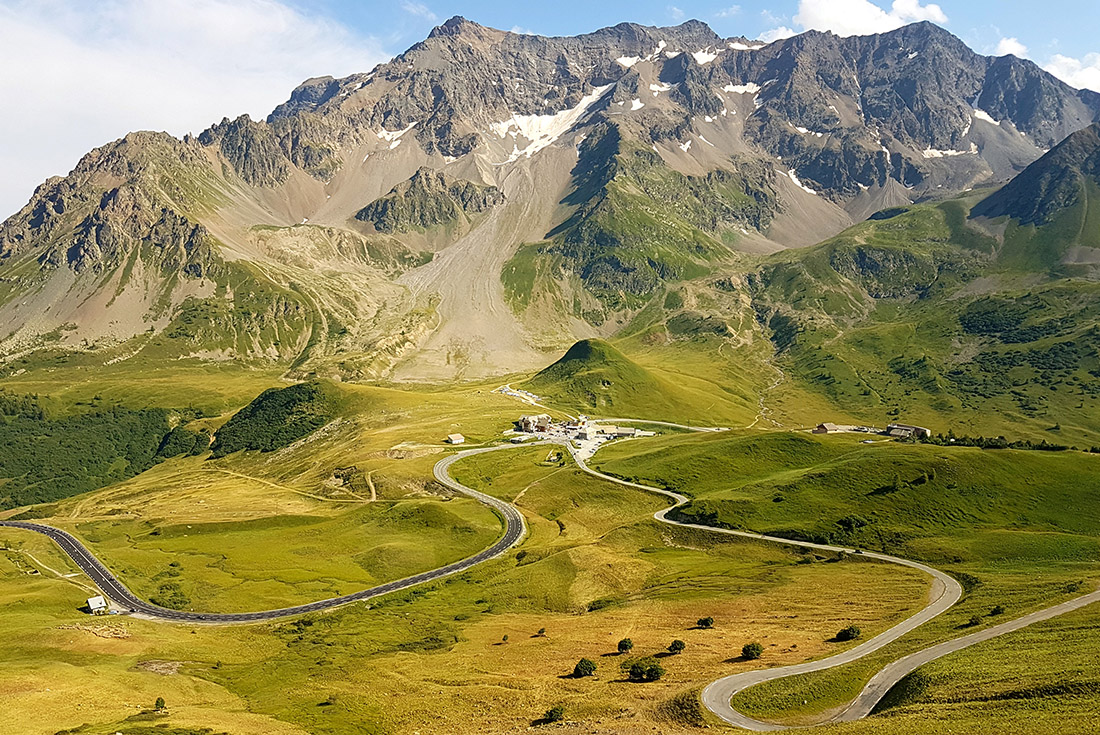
595,569
594,377
1017,528
255,529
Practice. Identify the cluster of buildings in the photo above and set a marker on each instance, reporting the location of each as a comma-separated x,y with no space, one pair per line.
580,428
897,431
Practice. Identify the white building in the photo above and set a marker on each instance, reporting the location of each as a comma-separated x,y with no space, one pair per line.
456,439
97,605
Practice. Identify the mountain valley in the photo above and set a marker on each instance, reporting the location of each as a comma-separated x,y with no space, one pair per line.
528,383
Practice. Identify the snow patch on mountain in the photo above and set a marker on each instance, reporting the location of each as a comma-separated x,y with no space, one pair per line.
933,153
798,183
983,115
749,88
391,136
542,130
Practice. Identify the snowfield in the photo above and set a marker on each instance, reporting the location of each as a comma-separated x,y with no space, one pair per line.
542,130
749,88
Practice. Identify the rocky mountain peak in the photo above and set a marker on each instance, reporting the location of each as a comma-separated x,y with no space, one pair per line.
457,26
1054,183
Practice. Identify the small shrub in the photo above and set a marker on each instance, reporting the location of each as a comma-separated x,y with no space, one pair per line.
625,645
646,671
752,651
585,667
159,704
554,714
849,634
541,633
975,621
677,646
707,622
997,610
504,639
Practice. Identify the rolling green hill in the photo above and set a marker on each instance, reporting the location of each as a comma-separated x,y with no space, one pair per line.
940,504
594,377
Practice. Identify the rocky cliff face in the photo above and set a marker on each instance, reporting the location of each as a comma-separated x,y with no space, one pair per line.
122,200
914,105
631,158
428,199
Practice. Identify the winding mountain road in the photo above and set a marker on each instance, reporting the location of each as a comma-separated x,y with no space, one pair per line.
123,598
945,592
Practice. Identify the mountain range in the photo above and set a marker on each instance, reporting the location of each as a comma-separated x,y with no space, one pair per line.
487,198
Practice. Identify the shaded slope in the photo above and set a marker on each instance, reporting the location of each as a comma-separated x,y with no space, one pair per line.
919,315
1055,182
277,418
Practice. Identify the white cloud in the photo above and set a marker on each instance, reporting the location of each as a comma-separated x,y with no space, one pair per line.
420,10
861,17
1012,46
523,31
675,12
729,12
771,18
77,75
911,11
1081,73
776,34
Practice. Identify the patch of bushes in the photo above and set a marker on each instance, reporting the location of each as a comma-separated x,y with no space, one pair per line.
44,459
585,667
645,670
554,714
277,418
171,596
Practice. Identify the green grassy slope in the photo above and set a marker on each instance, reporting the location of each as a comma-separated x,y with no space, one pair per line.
923,317
636,225
898,498
1016,528
595,377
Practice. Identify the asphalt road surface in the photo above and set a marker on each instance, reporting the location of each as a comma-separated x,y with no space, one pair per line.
716,696
944,594
126,601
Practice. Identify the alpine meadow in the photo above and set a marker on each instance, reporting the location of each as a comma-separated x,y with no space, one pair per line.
639,381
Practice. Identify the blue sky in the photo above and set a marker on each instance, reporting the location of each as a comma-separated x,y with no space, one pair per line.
1068,27
77,74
